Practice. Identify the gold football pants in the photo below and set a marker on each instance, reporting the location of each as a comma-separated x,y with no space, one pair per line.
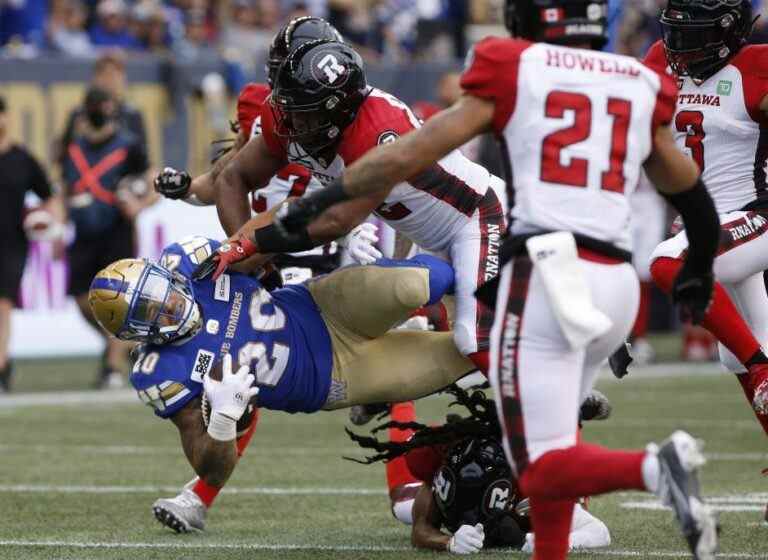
360,305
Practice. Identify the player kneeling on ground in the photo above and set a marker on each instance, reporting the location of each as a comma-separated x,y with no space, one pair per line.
322,345
455,477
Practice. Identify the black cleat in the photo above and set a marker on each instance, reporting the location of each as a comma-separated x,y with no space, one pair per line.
6,377
680,457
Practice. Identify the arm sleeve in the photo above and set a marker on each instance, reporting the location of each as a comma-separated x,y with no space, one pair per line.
38,179
492,74
666,102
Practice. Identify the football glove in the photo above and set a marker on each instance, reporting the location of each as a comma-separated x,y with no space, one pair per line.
228,254
693,292
360,244
467,540
173,184
228,399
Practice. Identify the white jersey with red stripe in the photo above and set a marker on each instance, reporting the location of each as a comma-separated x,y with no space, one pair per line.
576,126
432,207
720,124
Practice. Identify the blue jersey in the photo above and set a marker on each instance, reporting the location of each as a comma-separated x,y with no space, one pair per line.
281,335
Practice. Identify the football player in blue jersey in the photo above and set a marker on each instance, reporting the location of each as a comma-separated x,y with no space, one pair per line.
322,345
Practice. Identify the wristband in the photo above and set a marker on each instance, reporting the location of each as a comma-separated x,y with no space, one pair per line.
271,239
221,427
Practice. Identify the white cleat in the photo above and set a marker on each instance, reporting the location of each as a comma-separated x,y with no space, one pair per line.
184,514
587,532
680,457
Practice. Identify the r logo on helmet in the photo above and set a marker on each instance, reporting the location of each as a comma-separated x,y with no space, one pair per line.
331,68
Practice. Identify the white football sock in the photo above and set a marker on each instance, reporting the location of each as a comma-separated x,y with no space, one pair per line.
651,471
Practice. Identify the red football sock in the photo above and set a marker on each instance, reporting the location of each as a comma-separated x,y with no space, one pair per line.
398,473
582,470
749,391
640,328
206,492
551,521
481,361
245,439
722,320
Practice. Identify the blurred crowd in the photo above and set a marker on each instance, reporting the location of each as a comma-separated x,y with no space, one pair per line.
383,30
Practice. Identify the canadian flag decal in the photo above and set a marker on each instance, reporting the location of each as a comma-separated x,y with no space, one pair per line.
552,15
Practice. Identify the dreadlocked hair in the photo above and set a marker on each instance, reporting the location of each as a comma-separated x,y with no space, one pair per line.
482,422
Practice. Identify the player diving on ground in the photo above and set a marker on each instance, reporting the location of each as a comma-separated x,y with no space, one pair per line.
322,345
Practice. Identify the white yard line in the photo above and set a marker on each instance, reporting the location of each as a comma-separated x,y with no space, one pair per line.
150,489
73,398
332,548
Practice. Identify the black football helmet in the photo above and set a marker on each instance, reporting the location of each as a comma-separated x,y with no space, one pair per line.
317,92
701,36
561,22
475,485
294,34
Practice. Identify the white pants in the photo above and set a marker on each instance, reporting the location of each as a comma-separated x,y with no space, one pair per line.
538,380
648,223
742,257
474,255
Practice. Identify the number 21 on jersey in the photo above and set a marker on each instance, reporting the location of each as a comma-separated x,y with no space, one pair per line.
575,173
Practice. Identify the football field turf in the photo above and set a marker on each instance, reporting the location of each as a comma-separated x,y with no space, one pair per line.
77,480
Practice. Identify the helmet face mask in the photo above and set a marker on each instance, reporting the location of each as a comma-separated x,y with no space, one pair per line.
136,300
701,36
316,94
292,35
562,22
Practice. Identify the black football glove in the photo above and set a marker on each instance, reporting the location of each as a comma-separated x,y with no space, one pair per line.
693,292
173,184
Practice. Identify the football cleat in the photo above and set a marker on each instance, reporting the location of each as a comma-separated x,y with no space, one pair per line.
679,458
759,373
361,414
184,514
6,377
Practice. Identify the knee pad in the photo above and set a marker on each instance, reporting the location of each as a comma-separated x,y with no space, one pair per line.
412,287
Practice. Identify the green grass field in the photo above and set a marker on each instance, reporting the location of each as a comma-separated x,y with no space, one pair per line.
78,480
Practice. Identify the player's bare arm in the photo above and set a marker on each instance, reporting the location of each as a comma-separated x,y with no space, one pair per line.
384,167
376,173
250,169
212,460
425,532
678,178
201,190
667,167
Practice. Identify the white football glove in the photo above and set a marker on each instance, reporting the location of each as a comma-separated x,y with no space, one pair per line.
228,399
467,540
360,244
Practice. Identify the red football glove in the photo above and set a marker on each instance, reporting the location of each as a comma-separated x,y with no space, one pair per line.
228,254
